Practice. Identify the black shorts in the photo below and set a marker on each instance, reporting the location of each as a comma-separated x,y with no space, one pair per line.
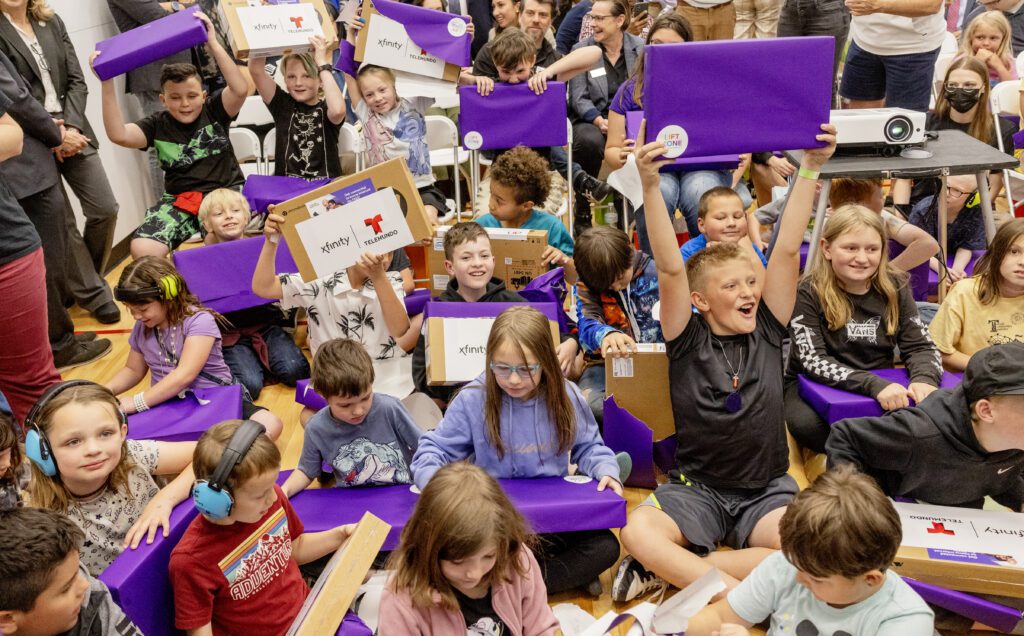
432,196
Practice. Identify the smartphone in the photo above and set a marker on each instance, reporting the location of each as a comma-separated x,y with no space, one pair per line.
640,8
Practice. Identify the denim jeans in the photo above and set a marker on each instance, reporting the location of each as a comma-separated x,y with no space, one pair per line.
287,363
593,379
682,191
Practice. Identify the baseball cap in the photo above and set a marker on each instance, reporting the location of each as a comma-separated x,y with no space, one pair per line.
995,370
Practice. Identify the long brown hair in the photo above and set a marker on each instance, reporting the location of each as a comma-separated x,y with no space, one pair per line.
50,492
836,303
987,269
981,127
9,439
526,328
147,272
667,20
461,511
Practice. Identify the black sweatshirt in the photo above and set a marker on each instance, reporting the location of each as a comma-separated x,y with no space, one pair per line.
930,452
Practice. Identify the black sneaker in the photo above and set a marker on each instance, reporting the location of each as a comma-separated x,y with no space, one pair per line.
85,336
632,580
594,588
587,186
107,313
81,353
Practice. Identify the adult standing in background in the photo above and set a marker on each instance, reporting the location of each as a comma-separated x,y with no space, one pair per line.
35,39
757,18
817,17
709,19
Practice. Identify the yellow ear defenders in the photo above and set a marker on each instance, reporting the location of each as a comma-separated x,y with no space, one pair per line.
168,287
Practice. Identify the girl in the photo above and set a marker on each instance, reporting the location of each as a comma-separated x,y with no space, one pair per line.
987,309
465,564
103,481
987,38
505,14
852,310
13,471
533,420
308,116
176,339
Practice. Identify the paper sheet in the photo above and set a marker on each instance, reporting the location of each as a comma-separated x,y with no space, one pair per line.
626,180
673,616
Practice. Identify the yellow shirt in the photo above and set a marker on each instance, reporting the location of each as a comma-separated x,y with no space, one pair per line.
964,324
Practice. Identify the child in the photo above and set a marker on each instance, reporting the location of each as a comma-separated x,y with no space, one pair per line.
465,563
732,485
519,183
852,311
615,295
721,218
368,439
84,467
965,226
987,38
14,473
308,115
44,589
532,421
363,302
986,309
839,538
236,568
175,338
955,448
192,143
255,346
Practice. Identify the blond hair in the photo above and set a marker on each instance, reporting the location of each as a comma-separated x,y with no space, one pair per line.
711,259
263,455
997,21
223,197
39,10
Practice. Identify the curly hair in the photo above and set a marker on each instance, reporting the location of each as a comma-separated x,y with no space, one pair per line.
525,172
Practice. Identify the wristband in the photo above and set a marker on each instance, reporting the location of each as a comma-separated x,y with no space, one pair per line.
326,67
808,174
139,400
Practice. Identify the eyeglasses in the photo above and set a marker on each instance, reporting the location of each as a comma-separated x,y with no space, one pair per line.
956,193
970,86
598,18
504,371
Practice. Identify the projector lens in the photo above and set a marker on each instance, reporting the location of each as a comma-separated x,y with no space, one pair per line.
898,129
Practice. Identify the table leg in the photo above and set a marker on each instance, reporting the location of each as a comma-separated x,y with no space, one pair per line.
819,221
474,180
570,195
941,221
986,205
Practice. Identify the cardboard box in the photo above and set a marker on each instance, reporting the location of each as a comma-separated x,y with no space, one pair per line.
517,257
456,337
392,174
978,551
264,30
385,42
640,385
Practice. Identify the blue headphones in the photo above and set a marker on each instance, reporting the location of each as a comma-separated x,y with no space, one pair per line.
211,497
37,447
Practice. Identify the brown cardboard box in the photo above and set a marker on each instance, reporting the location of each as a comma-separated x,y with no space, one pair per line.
976,579
390,174
640,385
517,257
407,49
282,31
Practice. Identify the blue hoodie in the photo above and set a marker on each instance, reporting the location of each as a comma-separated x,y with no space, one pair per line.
531,446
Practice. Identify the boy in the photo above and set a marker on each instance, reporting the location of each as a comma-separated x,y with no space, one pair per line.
839,538
44,590
725,371
721,218
191,140
368,439
956,447
615,293
240,574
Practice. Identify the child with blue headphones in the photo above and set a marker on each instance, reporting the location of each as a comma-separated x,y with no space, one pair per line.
84,466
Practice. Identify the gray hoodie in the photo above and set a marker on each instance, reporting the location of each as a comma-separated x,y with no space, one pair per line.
100,616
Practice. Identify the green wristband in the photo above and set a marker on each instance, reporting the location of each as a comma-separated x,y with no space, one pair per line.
808,174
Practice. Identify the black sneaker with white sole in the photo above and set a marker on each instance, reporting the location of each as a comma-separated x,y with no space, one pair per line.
80,353
632,580
594,189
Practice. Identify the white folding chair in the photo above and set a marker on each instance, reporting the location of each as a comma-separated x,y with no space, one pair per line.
1005,99
269,144
247,150
443,143
350,141
941,64
949,44
1020,64
254,113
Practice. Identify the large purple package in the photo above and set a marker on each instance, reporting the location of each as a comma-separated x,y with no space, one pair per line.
624,433
987,612
513,115
347,59
550,288
186,419
437,309
689,164
221,274
835,404
148,43
735,96
261,191
436,32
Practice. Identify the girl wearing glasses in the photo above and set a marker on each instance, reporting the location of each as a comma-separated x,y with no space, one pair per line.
519,420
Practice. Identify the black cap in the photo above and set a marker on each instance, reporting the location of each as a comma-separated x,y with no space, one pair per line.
995,370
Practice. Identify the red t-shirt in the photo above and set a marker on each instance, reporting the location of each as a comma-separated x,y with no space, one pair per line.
240,577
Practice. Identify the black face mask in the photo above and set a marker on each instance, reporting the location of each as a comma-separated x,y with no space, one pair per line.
963,99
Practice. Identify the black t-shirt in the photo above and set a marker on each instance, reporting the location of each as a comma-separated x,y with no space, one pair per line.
742,450
195,157
399,260
481,619
307,142
616,75
18,236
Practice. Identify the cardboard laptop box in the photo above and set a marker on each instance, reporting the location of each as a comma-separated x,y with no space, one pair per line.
517,256
265,30
640,385
387,42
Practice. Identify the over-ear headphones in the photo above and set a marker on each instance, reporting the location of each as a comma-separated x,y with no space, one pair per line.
168,287
37,446
211,497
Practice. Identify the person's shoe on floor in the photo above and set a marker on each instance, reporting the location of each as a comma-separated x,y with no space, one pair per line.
81,353
108,313
633,580
85,336
594,189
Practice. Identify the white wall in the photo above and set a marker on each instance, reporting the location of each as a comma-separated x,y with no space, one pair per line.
88,22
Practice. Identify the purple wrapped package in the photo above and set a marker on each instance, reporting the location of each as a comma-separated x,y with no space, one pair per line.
416,302
513,115
918,275
697,95
149,43
433,31
221,274
186,419
715,162
549,288
987,612
306,396
933,277
262,191
624,433
835,404
437,309
347,59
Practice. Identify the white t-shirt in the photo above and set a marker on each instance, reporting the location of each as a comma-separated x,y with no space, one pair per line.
886,34
402,132
772,590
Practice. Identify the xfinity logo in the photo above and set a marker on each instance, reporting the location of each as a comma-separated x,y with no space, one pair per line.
390,44
330,246
259,27
468,350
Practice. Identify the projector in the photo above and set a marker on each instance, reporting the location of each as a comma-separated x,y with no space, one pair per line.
883,131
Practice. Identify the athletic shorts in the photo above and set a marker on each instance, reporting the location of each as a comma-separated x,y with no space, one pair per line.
167,224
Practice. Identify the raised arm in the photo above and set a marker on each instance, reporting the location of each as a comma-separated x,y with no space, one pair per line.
332,94
353,29
122,134
237,89
616,146
265,84
569,66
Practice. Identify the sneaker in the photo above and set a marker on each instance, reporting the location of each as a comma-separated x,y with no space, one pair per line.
585,185
108,313
594,588
625,466
632,580
81,353
85,336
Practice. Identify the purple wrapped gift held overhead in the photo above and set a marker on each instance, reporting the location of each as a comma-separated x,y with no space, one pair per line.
513,114
149,43
186,419
221,274
697,95
437,309
262,191
835,404
714,162
436,32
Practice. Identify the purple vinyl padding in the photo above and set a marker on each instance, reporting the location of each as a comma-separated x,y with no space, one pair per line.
185,419
624,433
715,162
428,29
221,274
835,404
148,43
347,59
514,115
436,309
707,89
933,277
262,191
306,396
993,614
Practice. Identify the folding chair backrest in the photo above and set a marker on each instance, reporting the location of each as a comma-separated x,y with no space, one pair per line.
246,145
254,113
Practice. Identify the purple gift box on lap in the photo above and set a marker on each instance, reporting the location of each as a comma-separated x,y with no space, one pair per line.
513,115
835,404
148,43
714,162
186,419
261,191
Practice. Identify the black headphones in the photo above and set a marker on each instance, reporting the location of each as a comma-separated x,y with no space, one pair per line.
211,496
166,288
